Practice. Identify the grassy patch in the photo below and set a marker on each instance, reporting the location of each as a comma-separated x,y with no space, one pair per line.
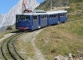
30,50
3,33
25,49
63,38
75,27
9,30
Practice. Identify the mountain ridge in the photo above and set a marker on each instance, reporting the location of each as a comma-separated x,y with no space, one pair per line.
46,5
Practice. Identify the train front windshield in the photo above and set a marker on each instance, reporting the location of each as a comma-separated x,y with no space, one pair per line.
22,18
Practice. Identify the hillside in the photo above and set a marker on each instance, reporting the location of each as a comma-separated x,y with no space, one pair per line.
46,5
64,38
55,40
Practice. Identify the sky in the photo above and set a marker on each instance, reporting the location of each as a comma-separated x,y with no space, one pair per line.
6,5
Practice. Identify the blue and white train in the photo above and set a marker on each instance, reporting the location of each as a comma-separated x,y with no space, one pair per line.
32,21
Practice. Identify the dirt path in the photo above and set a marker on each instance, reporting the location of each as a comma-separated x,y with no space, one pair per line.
38,54
31,36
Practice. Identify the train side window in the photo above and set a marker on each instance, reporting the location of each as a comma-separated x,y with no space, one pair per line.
18,17
50,16
53,16
35,18
43,17
62,15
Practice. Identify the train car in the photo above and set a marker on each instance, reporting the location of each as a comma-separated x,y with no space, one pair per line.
31,21
62,14
23,21
27,21
43,19
52,18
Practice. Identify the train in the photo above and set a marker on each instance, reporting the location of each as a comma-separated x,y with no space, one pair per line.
38,19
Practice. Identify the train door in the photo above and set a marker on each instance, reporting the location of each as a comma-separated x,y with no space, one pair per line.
43,20
35,23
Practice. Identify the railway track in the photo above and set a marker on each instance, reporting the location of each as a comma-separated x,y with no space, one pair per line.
8,49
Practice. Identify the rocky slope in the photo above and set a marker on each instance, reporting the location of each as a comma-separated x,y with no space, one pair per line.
1,17
56,3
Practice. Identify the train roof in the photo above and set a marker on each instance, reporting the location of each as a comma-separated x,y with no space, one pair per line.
32,14
52,12
61,11
58,11
39,11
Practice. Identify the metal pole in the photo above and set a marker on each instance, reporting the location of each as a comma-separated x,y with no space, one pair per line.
51,5
22,6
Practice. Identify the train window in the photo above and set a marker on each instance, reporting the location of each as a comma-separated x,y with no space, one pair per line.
22,17
18,17
35,18
62,15
27,18
53,16
43,17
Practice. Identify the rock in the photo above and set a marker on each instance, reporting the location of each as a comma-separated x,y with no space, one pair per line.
70,56
59,57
